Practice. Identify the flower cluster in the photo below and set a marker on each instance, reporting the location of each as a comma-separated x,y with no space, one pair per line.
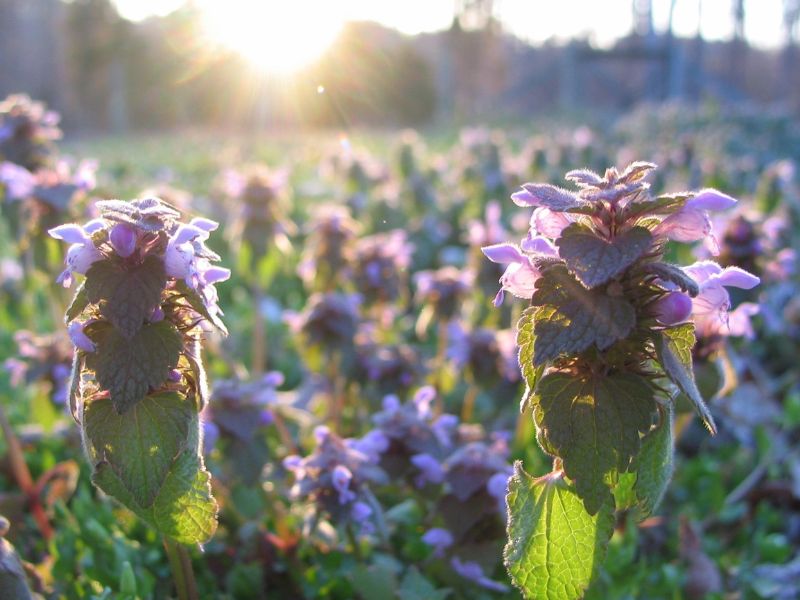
261,220
487,355
443,290
336,476
329,248
42,358
380,263
136,323
608,317
27,129
130,234
612,209
240,408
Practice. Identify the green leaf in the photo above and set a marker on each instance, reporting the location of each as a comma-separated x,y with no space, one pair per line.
79,302
128,294
149,460
554,546
655,465
624,492
573,318
374,581
196,302
595,261
594,424
674,349
415,586
141,445
128,368
525,342
183,510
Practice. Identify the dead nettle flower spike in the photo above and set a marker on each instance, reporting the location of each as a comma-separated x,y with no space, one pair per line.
136,322
609,330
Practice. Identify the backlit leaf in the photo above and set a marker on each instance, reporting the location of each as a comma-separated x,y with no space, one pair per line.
128,294
674,349
595,261
554,546
594,423
573,318
128,368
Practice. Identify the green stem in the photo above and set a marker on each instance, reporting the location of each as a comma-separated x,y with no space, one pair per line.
351,535
468,407
182,573
259,336
440,365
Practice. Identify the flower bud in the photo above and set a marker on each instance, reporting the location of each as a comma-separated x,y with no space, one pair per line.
123,239
674,307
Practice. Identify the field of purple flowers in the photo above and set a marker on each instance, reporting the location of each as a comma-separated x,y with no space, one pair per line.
388,326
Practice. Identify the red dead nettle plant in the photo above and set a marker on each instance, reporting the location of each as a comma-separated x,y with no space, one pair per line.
138,381
605,347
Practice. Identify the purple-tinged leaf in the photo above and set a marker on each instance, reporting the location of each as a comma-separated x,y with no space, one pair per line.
127,296
595,261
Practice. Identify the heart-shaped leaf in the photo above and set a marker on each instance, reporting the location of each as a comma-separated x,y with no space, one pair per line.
596,261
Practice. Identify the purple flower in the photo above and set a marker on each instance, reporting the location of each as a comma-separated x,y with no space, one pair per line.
520,276
672,308
265,417
360,512
472,571
18,181
692,223
710,307
422,400
293,463
438,538
372,445
180,255
123,238
431,470
82,253
79,338
340,478
210,435
548,223
443,428
739,323
497,486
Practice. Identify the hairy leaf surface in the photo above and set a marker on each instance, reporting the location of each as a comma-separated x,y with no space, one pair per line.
654,465
674,349
129,295
573,318
79,302
554,546
140,446
595,261
149,461
128,368
594,424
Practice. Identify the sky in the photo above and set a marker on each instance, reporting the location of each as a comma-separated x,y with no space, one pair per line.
534,20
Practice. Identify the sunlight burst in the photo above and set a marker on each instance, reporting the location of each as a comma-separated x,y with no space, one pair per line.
276,37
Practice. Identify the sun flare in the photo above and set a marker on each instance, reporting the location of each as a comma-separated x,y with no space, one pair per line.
276,37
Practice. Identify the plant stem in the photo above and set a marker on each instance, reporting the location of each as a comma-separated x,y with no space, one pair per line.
23,477
440,364
469,402
182,573
351,535
259,336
